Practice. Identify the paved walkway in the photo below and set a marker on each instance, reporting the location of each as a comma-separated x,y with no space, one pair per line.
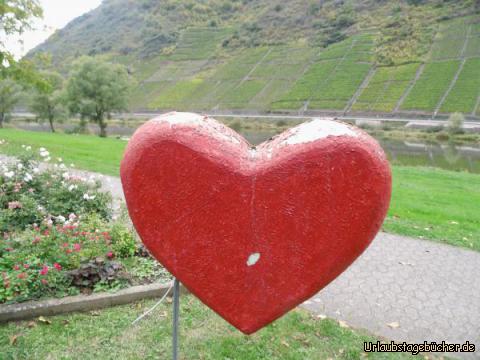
401,288
409,290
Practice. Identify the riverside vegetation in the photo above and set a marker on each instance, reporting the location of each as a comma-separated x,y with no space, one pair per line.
426,202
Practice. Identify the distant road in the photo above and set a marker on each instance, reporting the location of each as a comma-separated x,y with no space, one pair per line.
357,119
300,117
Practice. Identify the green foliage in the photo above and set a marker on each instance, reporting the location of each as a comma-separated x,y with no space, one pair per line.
56,238
406,36
16,17
175,95
239,96
455,123
48,103
9,96
199,43
123,241
29,197
199,55
340,86
147,268
431,85
57,259
314,78
97,88
449,41
385,88
464,94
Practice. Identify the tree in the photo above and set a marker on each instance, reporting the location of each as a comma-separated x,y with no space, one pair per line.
455,123
9,96
15,18
47,102
97,88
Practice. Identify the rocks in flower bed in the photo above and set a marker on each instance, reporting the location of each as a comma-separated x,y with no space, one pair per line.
95,271
142,251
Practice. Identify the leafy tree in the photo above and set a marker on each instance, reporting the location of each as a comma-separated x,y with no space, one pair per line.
15,18
455,123
97,88
47,103
9,96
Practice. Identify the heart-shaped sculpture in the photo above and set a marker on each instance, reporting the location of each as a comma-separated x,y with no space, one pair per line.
253,232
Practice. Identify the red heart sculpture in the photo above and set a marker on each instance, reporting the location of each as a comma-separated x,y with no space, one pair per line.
253,232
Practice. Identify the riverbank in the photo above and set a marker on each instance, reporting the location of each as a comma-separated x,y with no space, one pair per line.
428,203
385,130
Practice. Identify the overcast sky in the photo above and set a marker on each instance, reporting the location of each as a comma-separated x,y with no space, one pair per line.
56,14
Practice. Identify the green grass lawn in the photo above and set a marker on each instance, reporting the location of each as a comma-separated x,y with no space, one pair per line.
108,334
427,202
436,204
85,151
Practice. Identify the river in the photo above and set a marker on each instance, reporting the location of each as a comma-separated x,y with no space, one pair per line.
412,153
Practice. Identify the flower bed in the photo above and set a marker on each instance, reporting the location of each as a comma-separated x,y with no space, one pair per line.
59,237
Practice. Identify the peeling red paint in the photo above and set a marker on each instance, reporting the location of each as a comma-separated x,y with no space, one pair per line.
254,233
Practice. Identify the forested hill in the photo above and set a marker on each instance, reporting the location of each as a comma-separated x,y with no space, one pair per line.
362,56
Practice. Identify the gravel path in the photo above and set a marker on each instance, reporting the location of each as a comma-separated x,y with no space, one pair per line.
401,288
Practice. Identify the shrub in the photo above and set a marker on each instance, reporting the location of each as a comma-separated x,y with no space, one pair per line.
28,196
236,125
55,226
147,269
123,241
442,136
434,129
455,123
48,254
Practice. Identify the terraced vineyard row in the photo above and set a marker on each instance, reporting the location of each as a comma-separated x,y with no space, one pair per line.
341,77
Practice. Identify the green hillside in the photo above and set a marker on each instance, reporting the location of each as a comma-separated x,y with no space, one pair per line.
363,56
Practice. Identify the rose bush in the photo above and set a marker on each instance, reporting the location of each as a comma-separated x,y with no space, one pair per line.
57,236
28,196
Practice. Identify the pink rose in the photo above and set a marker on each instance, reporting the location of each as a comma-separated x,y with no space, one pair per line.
14,205
44,270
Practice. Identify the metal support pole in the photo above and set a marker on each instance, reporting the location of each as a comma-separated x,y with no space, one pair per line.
176,309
